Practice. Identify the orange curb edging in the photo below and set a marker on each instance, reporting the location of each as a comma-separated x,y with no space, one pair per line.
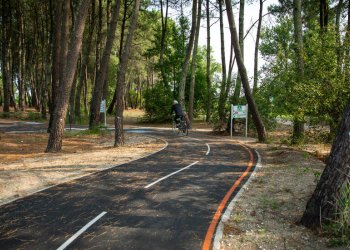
219,211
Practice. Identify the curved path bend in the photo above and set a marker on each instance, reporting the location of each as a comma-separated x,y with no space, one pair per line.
172,199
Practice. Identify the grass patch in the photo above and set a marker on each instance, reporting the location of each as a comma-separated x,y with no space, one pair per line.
30,115
340,228
237,218
270,203
100,131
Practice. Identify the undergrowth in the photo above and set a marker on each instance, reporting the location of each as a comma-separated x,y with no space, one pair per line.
340,228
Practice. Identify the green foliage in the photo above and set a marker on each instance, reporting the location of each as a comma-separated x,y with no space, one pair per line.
26,116
34,116
322,93
158,101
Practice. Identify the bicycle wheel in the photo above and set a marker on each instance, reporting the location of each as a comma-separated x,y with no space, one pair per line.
184,128
175,129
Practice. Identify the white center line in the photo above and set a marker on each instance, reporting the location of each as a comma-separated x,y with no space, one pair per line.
163,178
82,230
208,149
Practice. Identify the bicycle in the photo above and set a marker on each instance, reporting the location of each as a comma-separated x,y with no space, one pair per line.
180,127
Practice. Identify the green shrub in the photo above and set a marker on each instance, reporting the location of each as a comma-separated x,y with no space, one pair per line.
34,116
158,102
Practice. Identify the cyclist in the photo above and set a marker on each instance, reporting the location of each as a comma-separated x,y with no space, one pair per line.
176,108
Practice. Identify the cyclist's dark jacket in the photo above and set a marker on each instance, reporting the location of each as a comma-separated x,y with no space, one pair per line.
177,109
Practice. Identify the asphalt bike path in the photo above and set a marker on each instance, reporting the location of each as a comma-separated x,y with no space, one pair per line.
168,200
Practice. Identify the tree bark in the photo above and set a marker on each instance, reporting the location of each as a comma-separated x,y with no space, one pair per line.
323,204
101,75
298,125
256,53
5,57
119,132
194,62
324,9
85,61
238,86
121,45
222,99
162,43
21,57
186,63
244,77
337,30
57,130
56,58
208,64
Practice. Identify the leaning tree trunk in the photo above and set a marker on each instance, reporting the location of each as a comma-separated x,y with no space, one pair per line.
101,74
186,63
244,77
57,129
119,133
238,86
194,62
323,204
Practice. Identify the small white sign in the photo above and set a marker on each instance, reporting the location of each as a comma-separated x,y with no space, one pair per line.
103,106
239,111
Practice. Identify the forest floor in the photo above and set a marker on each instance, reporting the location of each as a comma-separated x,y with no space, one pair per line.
265,216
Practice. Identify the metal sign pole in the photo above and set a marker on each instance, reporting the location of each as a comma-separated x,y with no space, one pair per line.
105,113
231,120
246,120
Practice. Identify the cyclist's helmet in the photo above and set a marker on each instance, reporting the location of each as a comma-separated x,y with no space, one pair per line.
175,102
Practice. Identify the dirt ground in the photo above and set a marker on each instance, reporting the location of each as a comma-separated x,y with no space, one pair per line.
265,216
25,168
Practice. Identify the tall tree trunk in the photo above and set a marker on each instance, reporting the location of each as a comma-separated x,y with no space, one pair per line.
56,58
222,99
298,125
241,45
98,40
244,77
256,53
101,75
208,111
162,42
230,69
87,46
323,204
347,49
324,9
194,62
186,63
57,130
5,57
119,132
21,57
121,45
337,30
